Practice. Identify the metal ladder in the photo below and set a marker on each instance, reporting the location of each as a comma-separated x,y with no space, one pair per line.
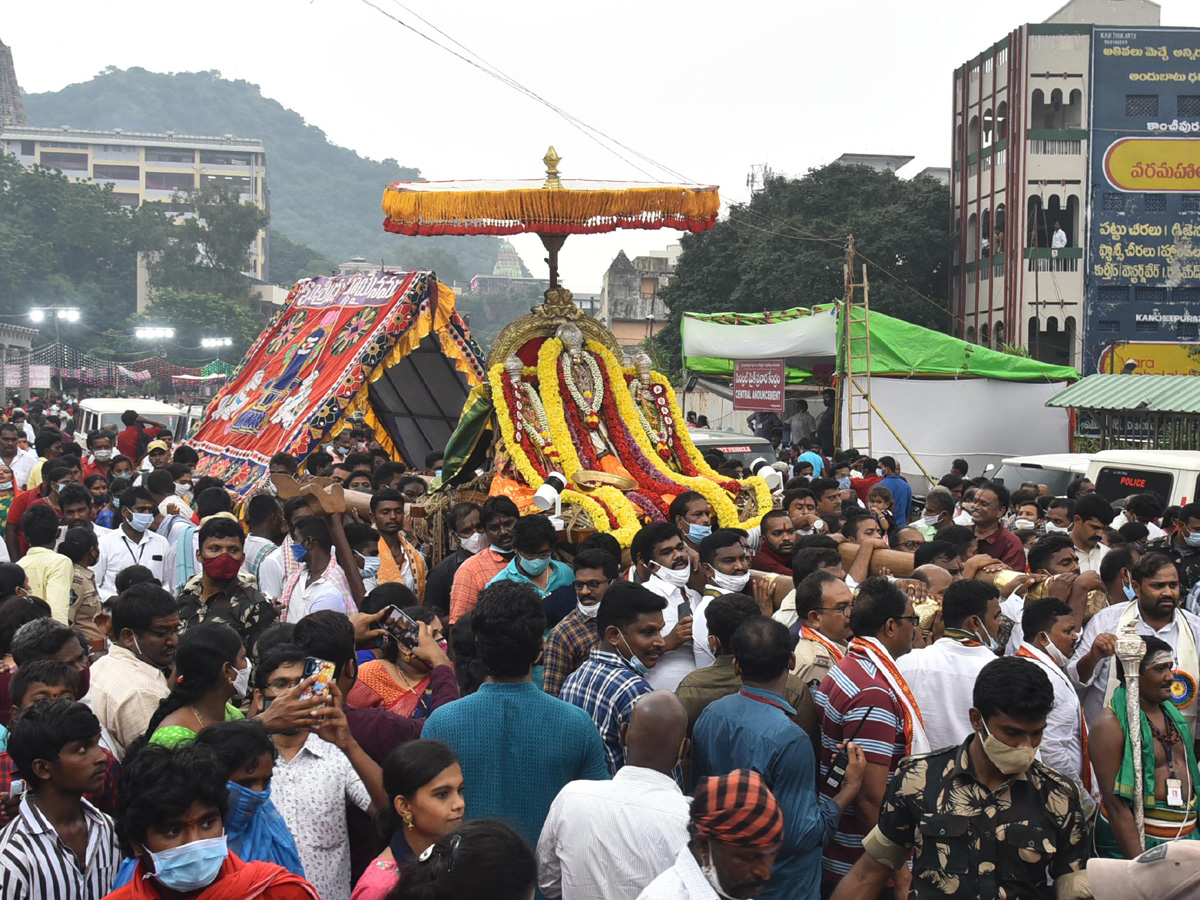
856,356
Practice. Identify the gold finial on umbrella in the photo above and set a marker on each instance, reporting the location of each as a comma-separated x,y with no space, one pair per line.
552,159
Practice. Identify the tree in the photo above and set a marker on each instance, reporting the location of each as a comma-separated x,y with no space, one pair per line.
210,250
197,315
291,261
786,248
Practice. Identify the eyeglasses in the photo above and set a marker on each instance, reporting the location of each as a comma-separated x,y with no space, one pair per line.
283,684
910,545
591,585
844,610
916,620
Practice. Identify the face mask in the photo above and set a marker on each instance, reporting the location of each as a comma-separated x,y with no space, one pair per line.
1023,524
534,567
496,549
697,533
964,518
102,455
370,566
879,472
58,487
437,473
710,875
929,521
588,612
6,485
730,584
677,577
184,491
1054,653
299,551
1192,540
141,521
1051,528
98,499
1009,760
220,568
241,682
1130,594
987,640
190,867
634,663
844,483
474,543
244,803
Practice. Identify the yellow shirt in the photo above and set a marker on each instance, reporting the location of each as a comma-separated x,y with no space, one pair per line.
35,474
50,577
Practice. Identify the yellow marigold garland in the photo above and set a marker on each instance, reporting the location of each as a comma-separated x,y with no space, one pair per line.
504,417
717,497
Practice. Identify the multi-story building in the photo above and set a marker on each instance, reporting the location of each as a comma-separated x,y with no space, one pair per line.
150,168
1073,202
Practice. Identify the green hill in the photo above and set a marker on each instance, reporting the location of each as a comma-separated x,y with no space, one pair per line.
322,195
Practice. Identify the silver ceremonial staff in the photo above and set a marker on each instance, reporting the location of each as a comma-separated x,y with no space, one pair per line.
1130,650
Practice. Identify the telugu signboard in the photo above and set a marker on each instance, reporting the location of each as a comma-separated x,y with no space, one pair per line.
1151,358
758,384
1143,263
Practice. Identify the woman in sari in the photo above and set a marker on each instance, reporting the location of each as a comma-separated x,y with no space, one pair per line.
397,680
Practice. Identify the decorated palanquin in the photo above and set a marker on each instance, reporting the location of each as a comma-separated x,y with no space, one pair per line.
558,398
388,347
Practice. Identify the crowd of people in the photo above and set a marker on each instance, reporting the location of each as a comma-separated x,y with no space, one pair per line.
205,696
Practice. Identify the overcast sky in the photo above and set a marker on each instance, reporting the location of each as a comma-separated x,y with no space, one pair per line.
706,88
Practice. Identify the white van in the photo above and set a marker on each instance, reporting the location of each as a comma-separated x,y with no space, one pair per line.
1172,474
1055,470
96,413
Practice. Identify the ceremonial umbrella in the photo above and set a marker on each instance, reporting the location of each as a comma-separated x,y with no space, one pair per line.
551,209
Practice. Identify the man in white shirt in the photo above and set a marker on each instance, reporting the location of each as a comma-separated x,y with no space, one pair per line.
726,567
942,675
1052,633
18,459
278,565
264,516
133,544
1058,240
607,840
1093,515
314,779
1143,508
127,682
660,547
1157,610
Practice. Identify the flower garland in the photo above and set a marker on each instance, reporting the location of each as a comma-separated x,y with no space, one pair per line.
718,498
528,470
540,435
589,401
660,437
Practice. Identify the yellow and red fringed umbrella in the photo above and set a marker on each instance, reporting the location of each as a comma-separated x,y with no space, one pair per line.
552,208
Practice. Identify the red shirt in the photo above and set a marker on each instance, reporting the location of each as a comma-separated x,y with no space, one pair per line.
1006,547
862,486
127,441
767,560
20,505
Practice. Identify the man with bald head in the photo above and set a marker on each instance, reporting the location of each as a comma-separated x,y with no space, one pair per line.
607,840
936,579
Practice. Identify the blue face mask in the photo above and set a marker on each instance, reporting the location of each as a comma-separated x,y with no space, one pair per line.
1129,592
190,867
634,663
844,483
437,473
299,551
244,804
534,567
1193,539
697,533
370,567
141,521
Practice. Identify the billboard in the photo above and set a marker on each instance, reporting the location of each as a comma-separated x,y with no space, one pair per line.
1143,266
1151,358
759,384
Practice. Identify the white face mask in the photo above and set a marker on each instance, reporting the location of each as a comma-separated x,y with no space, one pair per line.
964,518
677,577
588,612
241,683
731,584
710,875
475,542
930,521
1054,653
1051,528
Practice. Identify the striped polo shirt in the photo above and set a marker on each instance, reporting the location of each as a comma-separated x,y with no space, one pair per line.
850,689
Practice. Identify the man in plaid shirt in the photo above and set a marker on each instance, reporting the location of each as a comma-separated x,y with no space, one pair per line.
610,681
572,639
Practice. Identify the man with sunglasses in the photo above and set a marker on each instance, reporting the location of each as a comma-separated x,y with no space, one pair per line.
822,632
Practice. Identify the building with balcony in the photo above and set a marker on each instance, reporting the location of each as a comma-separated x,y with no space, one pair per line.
1041,181
150,168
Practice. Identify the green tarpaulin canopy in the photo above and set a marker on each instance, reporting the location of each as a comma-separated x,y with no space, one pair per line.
806,338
